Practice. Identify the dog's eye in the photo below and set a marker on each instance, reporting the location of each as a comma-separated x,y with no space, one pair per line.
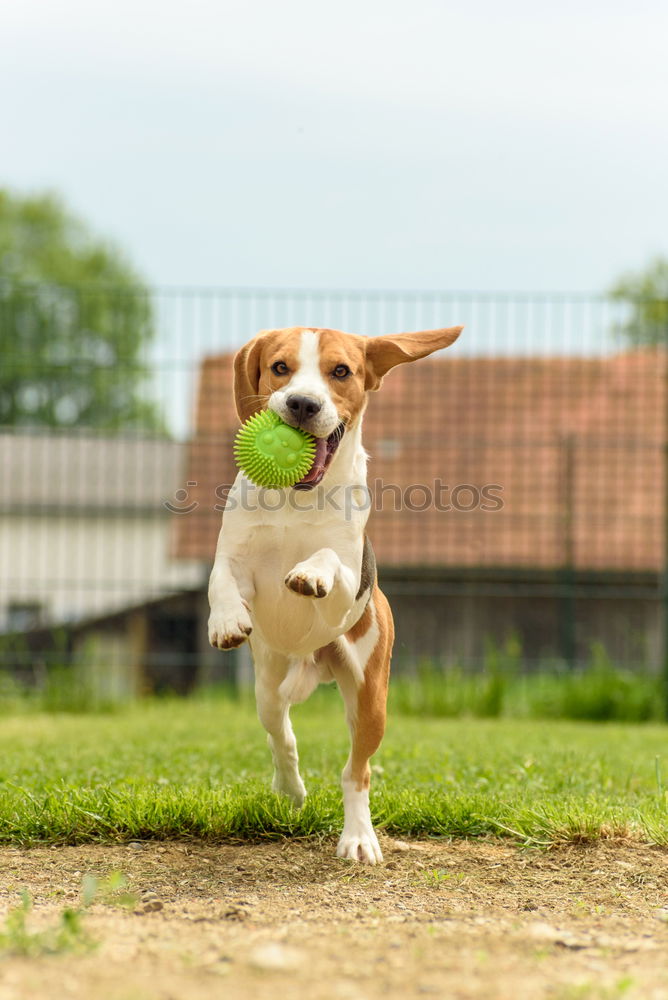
280,368
341,371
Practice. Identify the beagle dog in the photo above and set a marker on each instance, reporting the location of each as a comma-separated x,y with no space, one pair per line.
294,572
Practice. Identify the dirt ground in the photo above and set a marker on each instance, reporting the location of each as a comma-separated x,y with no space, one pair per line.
461,920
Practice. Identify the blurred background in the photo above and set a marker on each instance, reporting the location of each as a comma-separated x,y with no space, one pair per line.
175,178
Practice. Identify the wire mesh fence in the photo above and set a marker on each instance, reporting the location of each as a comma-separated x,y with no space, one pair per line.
517,480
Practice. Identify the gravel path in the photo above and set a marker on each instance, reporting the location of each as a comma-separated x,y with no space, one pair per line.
465,919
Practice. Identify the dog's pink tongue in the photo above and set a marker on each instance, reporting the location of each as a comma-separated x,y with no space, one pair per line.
318,461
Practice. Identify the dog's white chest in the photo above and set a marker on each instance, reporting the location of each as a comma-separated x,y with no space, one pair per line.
271,533
287,621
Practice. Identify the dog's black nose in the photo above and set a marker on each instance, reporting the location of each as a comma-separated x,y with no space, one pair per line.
303,407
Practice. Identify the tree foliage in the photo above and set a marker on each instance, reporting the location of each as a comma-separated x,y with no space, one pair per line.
646,292
75,323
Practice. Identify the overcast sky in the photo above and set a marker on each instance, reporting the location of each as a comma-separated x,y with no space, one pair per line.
422,144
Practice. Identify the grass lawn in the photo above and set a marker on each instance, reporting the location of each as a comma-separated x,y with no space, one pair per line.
201,768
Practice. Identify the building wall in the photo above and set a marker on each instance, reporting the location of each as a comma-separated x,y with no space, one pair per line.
89,564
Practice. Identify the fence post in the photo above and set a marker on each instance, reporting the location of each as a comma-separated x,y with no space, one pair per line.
664,568
567,604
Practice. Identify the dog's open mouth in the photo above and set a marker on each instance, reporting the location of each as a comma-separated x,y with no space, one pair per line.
325,449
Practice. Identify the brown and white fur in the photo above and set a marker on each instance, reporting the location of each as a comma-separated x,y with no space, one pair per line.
296,577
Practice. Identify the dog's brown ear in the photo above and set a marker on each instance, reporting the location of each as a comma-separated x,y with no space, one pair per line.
383,353
247,378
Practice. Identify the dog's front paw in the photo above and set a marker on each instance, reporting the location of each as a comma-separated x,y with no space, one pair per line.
309,581
227,630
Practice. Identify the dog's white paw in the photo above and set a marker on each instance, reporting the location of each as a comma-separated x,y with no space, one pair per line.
309,580
360,844
229,629
290,785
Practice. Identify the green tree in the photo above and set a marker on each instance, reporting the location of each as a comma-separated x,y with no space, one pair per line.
75,322
646,292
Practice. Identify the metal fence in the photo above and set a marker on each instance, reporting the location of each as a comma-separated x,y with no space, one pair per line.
519,493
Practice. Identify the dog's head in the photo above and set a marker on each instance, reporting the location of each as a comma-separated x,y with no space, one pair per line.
318,379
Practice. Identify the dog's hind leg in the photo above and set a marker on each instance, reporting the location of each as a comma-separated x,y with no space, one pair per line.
361,665
273,709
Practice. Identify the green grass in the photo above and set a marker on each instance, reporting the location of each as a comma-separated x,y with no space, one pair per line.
602,693
200,768
67,931
66,934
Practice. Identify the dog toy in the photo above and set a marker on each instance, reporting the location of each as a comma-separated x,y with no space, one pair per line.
271,453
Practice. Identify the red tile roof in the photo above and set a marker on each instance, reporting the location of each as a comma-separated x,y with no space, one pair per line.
576,445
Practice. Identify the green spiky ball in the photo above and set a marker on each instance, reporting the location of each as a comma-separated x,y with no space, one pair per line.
271,453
